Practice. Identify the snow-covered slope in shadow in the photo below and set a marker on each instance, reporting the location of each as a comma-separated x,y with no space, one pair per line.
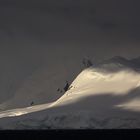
100,97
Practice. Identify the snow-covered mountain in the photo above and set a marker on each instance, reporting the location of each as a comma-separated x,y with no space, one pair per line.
106,95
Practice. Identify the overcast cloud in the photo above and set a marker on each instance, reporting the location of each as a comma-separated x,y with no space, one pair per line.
34,33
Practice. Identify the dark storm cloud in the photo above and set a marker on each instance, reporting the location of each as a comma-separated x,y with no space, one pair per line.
123,11
90,21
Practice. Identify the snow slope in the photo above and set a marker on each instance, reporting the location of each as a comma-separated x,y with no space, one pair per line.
99,97
93,82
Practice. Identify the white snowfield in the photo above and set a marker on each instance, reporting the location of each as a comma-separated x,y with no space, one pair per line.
22,111
97,98
93,82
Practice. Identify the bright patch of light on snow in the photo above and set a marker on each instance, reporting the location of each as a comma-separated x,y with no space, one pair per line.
133,105
18,113
22,111
93,82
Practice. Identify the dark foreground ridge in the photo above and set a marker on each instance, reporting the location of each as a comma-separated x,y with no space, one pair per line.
72,134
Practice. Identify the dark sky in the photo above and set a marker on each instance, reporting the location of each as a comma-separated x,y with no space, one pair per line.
107,27
62,32
34,31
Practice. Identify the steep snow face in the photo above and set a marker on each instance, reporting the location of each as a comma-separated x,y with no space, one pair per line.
95,81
